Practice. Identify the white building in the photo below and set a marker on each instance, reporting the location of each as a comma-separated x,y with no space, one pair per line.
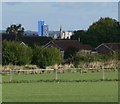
66,34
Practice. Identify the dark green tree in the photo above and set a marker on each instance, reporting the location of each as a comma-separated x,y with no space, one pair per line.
70,52
16,54
103,31
78,35
46,56
14,29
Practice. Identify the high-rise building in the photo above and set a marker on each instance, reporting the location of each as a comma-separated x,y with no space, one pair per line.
45,30
40,28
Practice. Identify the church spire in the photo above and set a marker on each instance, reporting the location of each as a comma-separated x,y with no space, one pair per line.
60,31
60,28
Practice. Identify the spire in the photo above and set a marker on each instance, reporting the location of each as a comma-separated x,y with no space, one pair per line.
60,31
60,28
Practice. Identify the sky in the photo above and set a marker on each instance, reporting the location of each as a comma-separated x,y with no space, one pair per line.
70,15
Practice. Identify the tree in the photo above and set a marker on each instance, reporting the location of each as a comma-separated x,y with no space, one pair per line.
78,35
84,56
14,29
46,56
70,52
16,54
103,31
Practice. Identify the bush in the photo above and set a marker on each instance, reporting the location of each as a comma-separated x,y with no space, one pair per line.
16,53
46,56
70,52
86,57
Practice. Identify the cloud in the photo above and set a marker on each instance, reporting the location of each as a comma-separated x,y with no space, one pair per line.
71,15
12,3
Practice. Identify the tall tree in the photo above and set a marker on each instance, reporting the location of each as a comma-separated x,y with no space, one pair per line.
78,35
104,30
17,30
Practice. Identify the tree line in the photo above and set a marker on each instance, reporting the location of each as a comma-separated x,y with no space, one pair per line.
18,54
105,30
15,53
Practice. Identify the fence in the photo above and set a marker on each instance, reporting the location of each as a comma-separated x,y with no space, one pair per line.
64,74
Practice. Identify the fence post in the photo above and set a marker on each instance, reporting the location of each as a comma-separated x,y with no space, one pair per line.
103,73
10,75
56,76
56,71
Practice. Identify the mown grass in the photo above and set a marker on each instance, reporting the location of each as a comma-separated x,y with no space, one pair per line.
63,76
61,91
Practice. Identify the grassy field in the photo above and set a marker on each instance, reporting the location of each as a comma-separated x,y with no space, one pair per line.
63,76
61,91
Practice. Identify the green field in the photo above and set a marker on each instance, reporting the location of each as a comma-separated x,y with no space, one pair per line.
63,76
103,91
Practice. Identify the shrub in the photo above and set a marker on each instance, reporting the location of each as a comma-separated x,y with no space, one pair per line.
46,56
70,52
16,53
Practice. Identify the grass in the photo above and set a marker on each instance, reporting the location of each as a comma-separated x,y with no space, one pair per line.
62,91
63,76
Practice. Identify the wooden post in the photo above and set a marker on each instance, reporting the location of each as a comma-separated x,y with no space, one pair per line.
103,75
10,75
103,72
56,71
56,76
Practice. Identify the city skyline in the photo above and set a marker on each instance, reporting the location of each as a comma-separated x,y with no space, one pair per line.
71,15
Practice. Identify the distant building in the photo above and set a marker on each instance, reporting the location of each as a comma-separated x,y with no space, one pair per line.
40,28
65,34
106,48
29,40
64,44
45,30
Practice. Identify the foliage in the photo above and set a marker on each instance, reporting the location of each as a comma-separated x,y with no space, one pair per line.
46,56
15,30
105,30
78,35
16,53
88,57
70,52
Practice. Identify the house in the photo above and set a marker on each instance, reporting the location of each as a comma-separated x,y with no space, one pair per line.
106,48
29,40
8,37
64,44
35,40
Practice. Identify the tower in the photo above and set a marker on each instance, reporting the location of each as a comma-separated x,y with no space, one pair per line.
45,30
40,28
60,32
